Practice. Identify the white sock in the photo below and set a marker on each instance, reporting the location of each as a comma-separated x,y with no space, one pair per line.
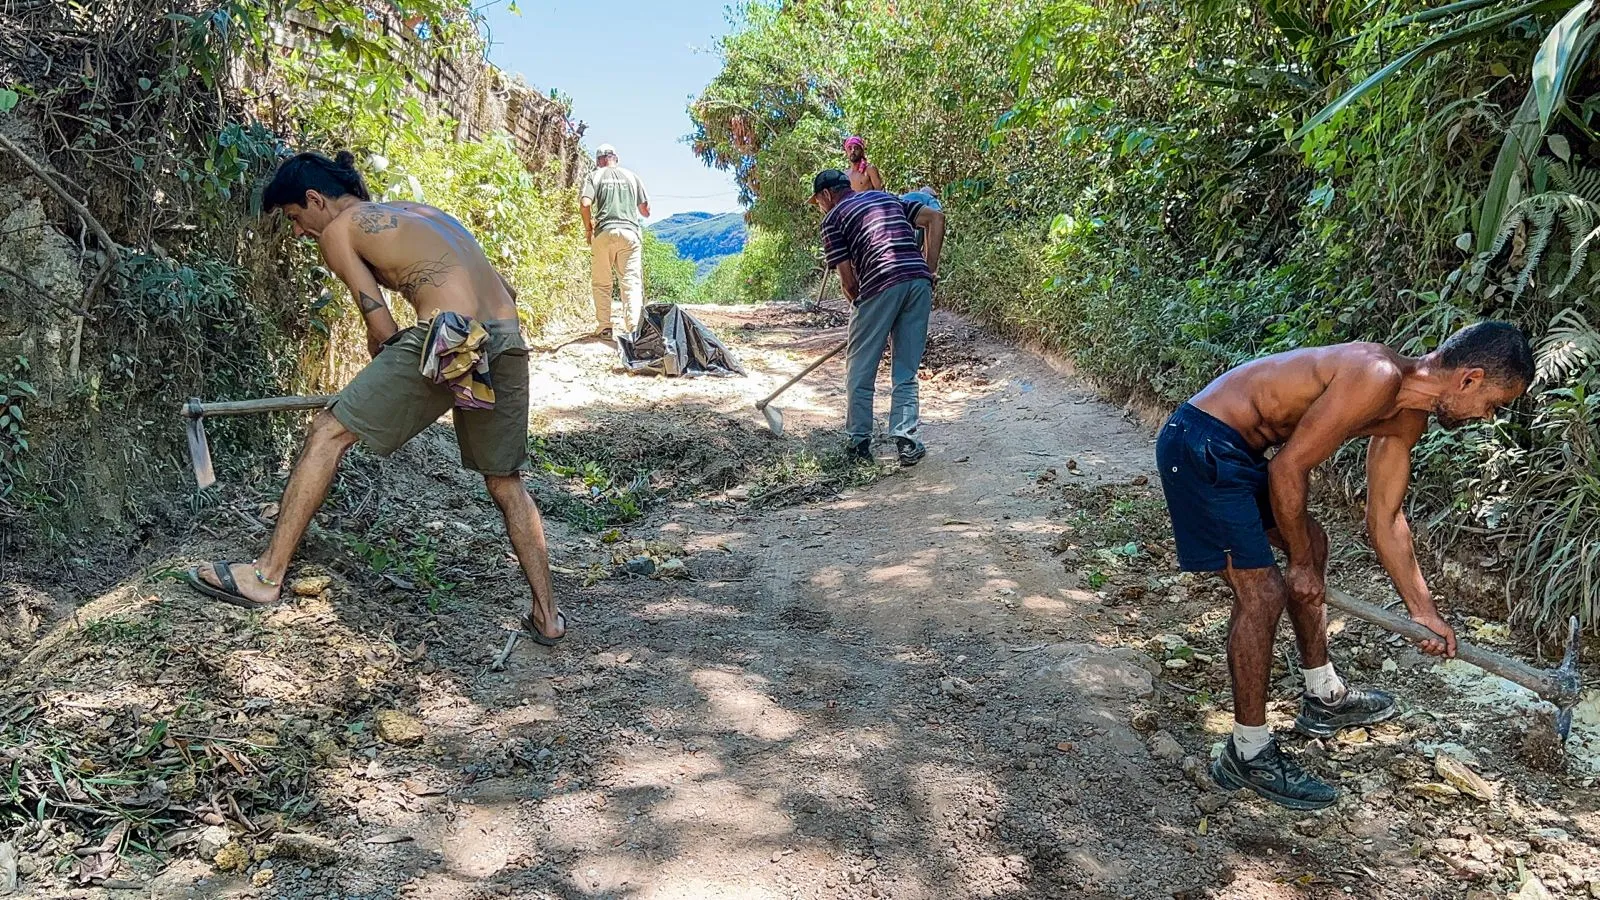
1324,683
1250,740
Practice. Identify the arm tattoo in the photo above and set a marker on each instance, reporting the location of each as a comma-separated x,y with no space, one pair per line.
368,303
373,219
427,273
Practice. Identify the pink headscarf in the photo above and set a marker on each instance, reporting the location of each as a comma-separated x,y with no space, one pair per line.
854,141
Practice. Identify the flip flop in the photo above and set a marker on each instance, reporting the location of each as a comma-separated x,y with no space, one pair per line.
229,591
538,637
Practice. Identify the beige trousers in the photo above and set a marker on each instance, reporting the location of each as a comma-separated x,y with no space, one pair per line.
617,253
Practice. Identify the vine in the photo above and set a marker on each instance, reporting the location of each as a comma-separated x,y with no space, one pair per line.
15,394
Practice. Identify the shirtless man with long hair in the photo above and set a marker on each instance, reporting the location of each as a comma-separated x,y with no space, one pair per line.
466,354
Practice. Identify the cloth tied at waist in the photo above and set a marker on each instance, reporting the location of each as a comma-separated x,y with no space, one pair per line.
454,355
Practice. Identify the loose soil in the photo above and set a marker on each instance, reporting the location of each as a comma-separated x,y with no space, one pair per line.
981,677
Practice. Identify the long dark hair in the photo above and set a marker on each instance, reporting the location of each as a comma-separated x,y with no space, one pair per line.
314,172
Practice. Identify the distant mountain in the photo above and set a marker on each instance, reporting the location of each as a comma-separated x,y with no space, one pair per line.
704,237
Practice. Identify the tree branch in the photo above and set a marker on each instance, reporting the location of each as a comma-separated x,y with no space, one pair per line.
38,169
113,250
27,282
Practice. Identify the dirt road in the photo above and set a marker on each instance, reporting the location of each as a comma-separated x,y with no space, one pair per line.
980,677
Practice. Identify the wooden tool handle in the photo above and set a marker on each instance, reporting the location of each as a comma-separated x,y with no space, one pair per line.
196,409
762,404
1544,682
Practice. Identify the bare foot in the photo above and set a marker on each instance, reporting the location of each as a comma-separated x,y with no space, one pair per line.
244,574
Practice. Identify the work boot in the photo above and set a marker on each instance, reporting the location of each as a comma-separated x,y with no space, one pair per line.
911,450
1320,718
860,451
1273,776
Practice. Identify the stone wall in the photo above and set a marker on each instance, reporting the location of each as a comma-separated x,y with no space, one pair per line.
482,99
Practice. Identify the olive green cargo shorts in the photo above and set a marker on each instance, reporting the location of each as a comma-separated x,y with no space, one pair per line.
391,401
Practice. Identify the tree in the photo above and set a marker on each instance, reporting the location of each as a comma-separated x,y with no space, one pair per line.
668,277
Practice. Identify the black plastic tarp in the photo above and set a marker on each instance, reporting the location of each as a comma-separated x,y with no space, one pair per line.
672,342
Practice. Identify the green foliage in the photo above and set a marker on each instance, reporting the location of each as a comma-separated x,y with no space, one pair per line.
668,277
1165,195
410,560
172,314
15,394
120,631
1466,28
588,493
721,284
1562,51
772,267
523,220
348,29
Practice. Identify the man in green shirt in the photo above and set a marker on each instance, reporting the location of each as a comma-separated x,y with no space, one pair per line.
614,208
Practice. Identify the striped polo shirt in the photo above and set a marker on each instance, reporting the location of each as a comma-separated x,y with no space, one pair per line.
872,230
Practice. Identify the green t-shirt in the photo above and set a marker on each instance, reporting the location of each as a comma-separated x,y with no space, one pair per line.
616,195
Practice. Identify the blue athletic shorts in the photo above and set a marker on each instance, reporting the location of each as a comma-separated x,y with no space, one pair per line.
1216,489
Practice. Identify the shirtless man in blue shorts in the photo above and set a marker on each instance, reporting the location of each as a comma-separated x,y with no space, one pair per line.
1230,505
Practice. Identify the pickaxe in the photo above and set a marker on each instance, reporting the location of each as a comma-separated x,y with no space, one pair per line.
196,412
1561,686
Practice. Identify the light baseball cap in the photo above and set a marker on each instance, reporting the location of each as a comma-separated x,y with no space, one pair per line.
605,150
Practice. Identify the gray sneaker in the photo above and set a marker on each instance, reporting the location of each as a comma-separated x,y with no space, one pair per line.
1273,776
1320,718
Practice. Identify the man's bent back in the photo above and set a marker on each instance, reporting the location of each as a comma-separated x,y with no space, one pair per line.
1230,505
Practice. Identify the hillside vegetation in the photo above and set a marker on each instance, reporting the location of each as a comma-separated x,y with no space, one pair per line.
1166,190
160,123
704,238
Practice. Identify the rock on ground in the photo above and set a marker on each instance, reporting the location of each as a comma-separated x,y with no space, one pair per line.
1118,673
397,727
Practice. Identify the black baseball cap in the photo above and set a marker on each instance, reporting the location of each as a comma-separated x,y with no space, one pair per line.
828,180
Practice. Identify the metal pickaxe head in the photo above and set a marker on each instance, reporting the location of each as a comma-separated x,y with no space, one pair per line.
196,411
774,417
199,448
773,414
1571,684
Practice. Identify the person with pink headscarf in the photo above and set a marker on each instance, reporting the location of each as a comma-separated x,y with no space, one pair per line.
864,176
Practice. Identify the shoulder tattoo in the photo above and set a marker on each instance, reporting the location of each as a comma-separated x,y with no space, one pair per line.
373,218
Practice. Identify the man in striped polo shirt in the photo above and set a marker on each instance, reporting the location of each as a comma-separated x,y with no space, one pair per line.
870,237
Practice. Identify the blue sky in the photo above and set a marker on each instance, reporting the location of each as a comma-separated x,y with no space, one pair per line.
631,68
